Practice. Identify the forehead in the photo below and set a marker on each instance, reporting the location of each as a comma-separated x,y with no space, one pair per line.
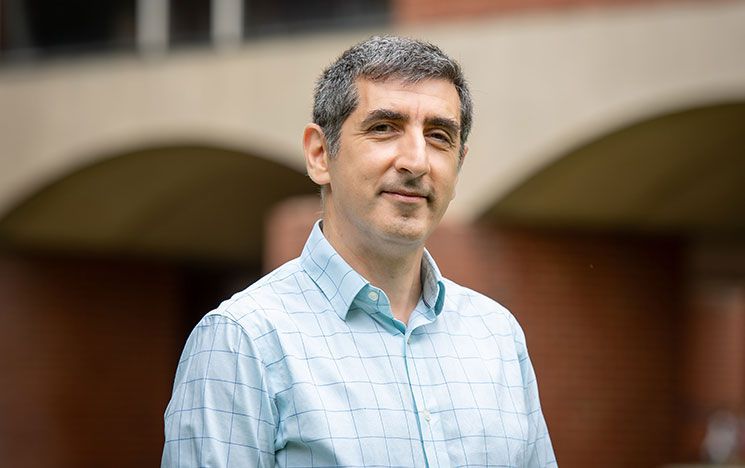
434,97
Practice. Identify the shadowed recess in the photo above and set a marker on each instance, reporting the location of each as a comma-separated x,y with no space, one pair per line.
683,172
190,203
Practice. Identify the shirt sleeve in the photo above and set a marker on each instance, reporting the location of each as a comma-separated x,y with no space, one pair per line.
221,413
540,452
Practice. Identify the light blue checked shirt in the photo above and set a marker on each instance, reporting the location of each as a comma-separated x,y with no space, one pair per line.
308,367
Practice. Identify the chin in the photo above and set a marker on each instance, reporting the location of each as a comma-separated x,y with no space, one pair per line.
406,231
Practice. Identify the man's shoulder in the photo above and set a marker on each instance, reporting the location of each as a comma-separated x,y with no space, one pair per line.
463,296
267,301
468,303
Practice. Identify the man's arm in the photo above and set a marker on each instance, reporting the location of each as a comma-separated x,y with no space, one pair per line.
540,452
221,412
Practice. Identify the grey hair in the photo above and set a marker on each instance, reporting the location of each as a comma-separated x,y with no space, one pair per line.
378,59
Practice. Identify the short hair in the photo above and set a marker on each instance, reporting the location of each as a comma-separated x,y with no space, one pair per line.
380,58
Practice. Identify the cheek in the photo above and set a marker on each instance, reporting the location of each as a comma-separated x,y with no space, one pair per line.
447,176
353,186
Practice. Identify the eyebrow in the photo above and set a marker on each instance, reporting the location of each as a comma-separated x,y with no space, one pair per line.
450,125
384,114
445,123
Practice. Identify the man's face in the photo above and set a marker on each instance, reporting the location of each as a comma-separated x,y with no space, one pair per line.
397,163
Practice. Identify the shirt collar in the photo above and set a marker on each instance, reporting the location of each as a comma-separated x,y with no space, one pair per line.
433,286
341,284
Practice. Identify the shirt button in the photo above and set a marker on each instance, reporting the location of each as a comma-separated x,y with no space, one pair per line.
427,415
373,295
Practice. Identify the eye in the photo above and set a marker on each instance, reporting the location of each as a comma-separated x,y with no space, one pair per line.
442,137
382,127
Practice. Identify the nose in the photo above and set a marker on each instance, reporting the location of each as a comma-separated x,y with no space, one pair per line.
412,155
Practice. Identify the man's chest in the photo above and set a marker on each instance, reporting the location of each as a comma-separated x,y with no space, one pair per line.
365,396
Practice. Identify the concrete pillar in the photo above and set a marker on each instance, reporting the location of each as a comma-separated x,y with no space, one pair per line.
152,26
227,23
287,228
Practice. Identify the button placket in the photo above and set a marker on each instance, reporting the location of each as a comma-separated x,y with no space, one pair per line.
425,400
428,394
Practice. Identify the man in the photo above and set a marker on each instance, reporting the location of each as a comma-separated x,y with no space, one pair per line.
359,353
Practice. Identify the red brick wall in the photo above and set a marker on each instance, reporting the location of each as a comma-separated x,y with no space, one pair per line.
417,11
88,350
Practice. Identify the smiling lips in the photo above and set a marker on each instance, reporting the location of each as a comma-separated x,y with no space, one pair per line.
406,196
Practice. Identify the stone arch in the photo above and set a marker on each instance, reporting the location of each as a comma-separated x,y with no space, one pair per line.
191,201
681,171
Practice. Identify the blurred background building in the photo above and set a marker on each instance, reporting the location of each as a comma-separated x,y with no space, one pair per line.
150,165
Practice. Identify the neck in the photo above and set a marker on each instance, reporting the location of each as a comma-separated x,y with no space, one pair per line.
397,271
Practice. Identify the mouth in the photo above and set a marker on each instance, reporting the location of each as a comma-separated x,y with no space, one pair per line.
406,196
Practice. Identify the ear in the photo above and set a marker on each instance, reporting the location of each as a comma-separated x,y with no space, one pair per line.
316,154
